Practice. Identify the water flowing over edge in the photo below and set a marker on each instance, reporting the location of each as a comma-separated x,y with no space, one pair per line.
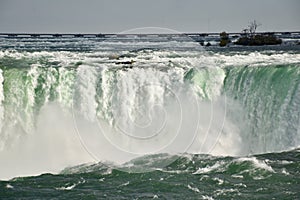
46,86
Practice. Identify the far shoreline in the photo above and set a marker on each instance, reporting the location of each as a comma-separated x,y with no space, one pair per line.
207,40
77,34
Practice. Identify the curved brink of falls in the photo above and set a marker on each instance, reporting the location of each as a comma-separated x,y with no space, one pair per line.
191,104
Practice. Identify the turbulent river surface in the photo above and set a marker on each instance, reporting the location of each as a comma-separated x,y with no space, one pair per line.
152,117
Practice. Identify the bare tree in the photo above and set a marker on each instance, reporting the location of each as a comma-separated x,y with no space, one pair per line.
253,26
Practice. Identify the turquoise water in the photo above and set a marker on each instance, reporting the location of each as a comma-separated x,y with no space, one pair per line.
165,119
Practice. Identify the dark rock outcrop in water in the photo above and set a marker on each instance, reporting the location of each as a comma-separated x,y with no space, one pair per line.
224,41
258,40
251,38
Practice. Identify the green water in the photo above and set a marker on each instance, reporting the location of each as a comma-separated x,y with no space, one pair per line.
267,176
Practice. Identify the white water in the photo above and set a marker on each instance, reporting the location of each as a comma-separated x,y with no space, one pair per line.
100,112
1,105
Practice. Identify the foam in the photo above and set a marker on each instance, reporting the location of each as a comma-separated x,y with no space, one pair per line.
194,189
189,58
257,163
208,169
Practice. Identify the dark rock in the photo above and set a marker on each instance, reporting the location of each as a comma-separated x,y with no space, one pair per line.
224,39
125,62
258,40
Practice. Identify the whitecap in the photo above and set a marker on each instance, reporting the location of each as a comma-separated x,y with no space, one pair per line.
194,189
67,188
8,186
257,163
207,169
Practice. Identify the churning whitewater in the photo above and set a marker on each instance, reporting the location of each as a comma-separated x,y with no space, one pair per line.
78,107
82,108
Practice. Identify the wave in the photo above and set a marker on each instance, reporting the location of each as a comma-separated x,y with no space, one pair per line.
255,166
190,175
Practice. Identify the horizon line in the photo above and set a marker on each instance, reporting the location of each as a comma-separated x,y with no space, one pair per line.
151,33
